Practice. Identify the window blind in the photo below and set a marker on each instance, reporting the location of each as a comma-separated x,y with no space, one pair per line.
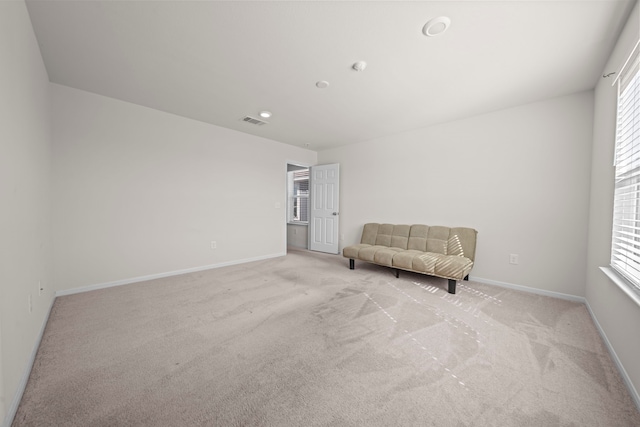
625,247
298,196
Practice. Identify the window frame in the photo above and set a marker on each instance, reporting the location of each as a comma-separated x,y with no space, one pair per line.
625,236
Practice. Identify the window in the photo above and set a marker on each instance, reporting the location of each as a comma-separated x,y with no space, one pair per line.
625,247
298,198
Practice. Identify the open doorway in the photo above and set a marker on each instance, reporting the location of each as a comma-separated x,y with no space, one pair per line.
297,206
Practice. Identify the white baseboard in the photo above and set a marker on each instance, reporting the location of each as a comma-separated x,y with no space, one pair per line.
22,385
529,290
161,275
625,377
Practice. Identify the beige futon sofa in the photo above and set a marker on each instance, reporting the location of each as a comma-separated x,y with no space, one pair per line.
434,250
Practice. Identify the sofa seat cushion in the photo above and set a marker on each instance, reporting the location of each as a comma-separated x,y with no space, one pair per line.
369,253
449,266
353,250
404,259
386,256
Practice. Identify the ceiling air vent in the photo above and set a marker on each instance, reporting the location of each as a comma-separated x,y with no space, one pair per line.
254,121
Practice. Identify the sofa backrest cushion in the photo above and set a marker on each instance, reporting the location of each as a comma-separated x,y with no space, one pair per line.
384,235
418,237
438,240
466,240
369,233
393,236
400,236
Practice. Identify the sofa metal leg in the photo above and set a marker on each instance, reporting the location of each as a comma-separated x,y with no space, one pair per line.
452,286
397,273
352,264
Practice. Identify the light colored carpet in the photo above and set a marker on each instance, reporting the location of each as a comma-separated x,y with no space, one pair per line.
302,340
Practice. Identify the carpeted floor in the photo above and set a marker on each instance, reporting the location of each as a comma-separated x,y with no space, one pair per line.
302,340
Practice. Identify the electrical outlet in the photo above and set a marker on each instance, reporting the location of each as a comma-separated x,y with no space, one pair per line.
214,244
513,259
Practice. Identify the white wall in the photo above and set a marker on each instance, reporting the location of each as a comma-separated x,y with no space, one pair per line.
519,176
616,313
25,245
139,192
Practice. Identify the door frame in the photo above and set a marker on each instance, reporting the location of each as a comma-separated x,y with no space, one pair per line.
286,200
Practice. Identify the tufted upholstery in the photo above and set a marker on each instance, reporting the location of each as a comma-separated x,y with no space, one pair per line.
434,250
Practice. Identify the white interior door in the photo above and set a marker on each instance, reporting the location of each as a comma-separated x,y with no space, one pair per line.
324,215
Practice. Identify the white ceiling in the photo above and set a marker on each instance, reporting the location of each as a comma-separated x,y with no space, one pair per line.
217,61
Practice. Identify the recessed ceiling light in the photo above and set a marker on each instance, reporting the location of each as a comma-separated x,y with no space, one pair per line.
265,114
436,26
322,84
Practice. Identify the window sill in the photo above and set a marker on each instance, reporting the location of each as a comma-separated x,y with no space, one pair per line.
305,224
622,283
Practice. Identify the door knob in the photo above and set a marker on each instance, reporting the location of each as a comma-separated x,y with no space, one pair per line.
335,213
